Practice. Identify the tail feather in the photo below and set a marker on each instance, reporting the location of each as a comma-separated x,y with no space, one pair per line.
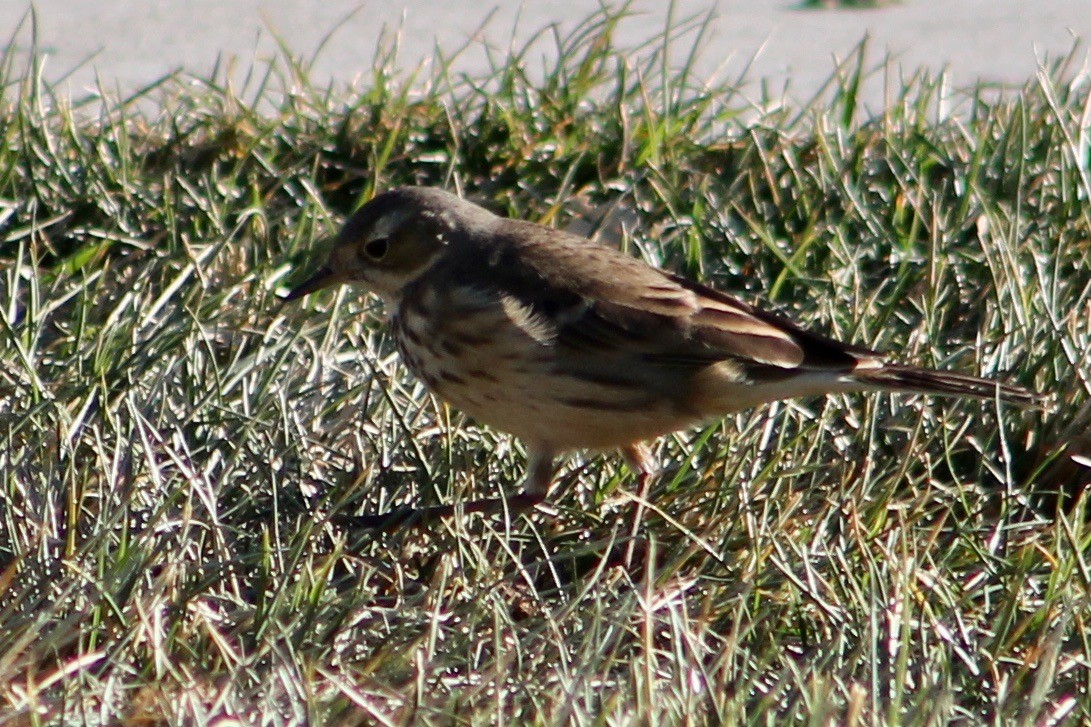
897,377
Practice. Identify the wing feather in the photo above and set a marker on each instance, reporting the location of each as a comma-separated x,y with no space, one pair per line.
605,304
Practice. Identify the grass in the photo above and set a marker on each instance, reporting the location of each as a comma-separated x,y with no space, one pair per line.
175,440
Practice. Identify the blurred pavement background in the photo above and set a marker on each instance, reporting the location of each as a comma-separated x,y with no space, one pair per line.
129,43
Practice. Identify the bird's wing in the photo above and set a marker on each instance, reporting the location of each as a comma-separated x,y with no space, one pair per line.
743,331
601,303
604,301
683,323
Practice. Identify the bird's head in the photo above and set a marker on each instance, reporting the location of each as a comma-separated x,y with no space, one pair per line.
393,239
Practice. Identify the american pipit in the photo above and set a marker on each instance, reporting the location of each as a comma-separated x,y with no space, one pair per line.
568,344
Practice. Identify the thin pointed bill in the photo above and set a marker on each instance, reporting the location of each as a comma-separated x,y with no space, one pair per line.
324,278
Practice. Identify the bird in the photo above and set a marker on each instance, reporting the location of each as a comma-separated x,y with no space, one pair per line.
570,344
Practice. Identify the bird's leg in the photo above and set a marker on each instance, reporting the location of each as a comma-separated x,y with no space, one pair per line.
535,488
640,460
540,471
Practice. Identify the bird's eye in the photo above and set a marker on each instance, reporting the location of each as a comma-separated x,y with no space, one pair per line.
376,249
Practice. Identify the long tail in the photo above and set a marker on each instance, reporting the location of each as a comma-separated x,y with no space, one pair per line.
897,377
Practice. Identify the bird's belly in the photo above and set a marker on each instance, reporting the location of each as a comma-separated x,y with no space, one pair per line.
522,388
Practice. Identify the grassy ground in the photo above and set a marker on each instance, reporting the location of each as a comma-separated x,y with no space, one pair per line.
175,440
